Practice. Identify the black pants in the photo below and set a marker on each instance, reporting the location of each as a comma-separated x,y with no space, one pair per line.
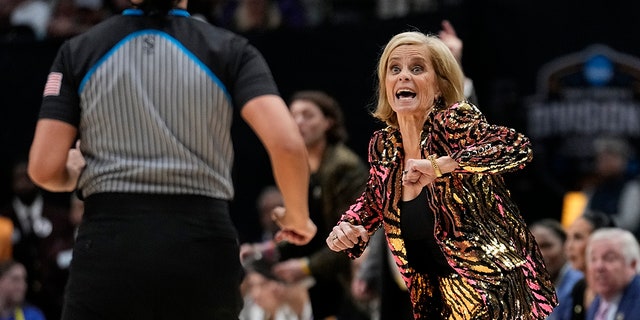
154,257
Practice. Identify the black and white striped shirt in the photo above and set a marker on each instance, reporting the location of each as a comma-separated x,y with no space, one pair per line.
153,101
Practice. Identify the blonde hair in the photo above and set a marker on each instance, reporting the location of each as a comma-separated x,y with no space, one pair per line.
449,76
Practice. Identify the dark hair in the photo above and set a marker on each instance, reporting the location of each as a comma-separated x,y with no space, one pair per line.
6,265
157,7
598,219
554,225
330,109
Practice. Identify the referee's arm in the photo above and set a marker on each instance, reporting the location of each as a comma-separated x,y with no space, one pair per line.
53,164
271,120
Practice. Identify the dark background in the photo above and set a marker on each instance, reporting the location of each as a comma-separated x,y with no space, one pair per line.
506,42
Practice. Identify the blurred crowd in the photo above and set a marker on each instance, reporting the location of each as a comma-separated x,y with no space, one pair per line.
282,282
593,256
37,231
51,19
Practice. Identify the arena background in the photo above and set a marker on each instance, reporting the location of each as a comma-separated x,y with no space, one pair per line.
506,44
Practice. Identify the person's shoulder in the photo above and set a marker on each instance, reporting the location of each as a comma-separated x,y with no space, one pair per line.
344,150
631,295
385,132
635,282
383,143
342,155
462,109
385,135
573,276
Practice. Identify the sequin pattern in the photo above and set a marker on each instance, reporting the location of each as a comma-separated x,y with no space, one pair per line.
478,226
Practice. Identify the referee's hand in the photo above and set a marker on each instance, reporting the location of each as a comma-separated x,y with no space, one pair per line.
75,164
293,229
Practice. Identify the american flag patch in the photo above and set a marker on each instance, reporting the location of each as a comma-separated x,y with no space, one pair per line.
54,82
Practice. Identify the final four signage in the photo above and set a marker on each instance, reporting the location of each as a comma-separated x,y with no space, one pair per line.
581,96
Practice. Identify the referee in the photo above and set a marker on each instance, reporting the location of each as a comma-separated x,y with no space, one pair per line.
150,94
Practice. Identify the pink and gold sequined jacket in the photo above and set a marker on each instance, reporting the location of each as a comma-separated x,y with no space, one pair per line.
477,225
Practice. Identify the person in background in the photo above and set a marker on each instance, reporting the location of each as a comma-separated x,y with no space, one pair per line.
270,298
613,259
251,16
136,116
436,187
25,19
73,17
615,191
576,249
13,288
338,175
378,283
41,230
450,38
551,238
269,199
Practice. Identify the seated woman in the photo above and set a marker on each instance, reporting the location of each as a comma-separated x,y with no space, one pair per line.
13,288
577,237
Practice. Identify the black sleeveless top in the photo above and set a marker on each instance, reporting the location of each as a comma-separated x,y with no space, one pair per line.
417,225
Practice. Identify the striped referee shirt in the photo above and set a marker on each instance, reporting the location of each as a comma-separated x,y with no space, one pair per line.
153,102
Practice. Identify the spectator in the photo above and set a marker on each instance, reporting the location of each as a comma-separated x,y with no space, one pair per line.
450,38
577,237
29,18
551,239
379,283
262,15
41,231
613,259
615,192
269,298
390,9
73,17
268,199
13,288
337,177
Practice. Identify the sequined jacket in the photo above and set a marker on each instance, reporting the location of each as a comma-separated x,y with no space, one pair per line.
477,225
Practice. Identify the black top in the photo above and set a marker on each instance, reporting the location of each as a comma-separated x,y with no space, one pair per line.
417,227
578,310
